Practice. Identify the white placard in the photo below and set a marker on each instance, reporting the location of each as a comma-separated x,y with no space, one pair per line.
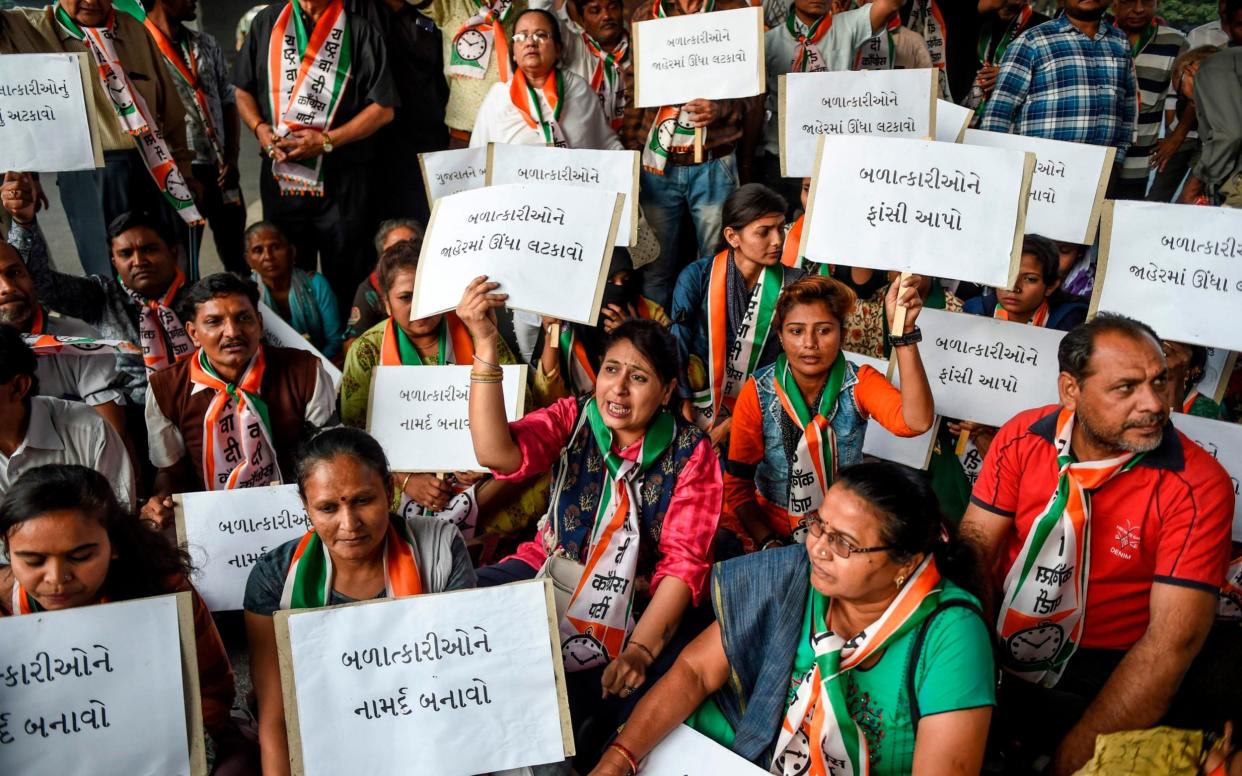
1223,441
453,684
615,171
882,443
278,332
951,121
99,689
985,369
1068,187
547,245
45,115
227,531
937,209
687,752
448,172
1216,373
896,103
709,56
420,415
1174,267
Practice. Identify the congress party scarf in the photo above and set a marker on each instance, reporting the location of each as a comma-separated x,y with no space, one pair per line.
473,43
818,727
133,112
671,132
598,617
607,79
160,332
728,367
531,107
1041,618
307,72
455,347
879,51
793,239
807,58
815,463
1040,318
237,430
308,583
1230,605
24,603
927,20
579,371
45,344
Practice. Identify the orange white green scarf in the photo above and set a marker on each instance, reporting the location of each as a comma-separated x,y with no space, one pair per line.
599,616
879,52
133,112
44,344
160,332
807,58
927,20
24,603
532,105
729,366
471,52
814,466
793,240
307,73
237,430
455,346
1040,318
818,737
607,80
308,583
672,131
1041,615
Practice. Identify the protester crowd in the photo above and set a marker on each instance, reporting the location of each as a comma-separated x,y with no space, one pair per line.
813,609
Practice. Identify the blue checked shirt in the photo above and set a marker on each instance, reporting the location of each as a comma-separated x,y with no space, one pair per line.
1057,83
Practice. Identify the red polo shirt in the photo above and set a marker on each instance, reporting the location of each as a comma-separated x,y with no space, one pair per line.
1166,520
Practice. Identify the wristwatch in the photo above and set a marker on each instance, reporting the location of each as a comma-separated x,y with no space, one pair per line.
913,337
327,143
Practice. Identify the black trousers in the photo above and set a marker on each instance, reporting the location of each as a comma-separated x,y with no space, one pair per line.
227,221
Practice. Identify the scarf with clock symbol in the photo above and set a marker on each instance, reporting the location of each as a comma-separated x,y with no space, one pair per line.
1046,588
484,30
680,132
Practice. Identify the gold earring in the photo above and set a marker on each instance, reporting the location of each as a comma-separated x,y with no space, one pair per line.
901,580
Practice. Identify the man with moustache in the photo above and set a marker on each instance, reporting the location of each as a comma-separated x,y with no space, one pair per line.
232,414
1108,531
1070,79
597,49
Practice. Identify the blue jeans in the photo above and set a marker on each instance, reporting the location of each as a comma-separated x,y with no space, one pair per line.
700,190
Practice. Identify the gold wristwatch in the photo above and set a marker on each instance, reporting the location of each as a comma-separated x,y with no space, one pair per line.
327,143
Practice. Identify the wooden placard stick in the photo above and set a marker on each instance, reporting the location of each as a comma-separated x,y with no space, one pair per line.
899,316
554,333
699,134
963,439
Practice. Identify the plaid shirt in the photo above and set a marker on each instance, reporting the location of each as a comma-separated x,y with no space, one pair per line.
1057,83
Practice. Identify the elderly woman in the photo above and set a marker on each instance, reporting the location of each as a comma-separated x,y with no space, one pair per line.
362,549
635,502
820,402
302,298
71,544
542,104
861,652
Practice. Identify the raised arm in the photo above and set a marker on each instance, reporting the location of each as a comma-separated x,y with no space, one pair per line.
489,425
917,407
881,12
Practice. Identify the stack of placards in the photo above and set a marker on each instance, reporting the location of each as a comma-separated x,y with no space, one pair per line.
452,171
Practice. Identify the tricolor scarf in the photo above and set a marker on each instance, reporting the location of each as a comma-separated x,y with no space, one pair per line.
672,131
926,20
814,466
879,51
307,73
24,603
473,43
530,105
807,58
455,347
1041,616
729,367
44,344
818,727
133,112
607,80
1230,605
579,371
1191,398
793,240
237,430
161,333
308,583
598,618
1040,318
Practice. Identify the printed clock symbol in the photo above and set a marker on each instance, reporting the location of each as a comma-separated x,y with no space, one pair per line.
1036,645
471,45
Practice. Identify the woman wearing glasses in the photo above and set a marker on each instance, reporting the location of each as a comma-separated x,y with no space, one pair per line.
542,104
798,420
860,652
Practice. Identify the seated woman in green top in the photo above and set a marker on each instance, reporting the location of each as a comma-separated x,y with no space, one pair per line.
856,653
302,298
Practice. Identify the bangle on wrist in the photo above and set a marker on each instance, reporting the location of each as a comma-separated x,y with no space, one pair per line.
406,481
643,647
488,364
631,761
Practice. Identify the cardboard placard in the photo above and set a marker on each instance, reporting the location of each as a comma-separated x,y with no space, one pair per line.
880,442
1216,373
985,369
936,209
1068,187
1223,441
47,118
894,103
227,531
278,332
687,752
951,121
1175,267
84,685
395,686
615,171
420,415
520,236
710,56
451,171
